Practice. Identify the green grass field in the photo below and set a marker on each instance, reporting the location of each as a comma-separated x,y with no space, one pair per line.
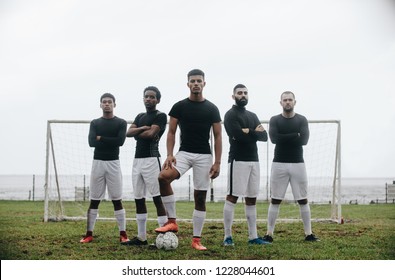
367,234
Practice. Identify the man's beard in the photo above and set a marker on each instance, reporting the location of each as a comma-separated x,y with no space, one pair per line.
288,109
241,102
195,90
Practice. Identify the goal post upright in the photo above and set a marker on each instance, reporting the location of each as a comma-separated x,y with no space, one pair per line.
339,174
56,175
46,186
336,197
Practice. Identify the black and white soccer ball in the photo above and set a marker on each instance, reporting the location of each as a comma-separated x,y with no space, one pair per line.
167,241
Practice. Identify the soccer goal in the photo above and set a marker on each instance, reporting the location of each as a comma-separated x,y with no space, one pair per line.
69,159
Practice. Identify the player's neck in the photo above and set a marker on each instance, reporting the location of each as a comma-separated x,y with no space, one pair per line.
288,115
152,109
108,115
196,97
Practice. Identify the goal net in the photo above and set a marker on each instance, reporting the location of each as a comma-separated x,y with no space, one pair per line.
69,159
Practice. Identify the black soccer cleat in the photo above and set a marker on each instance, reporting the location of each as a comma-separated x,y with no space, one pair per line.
311,238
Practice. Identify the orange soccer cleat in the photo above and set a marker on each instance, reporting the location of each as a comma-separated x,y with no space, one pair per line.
197,245
87,239
169,226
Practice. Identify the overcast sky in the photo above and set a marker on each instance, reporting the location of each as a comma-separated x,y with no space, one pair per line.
338,57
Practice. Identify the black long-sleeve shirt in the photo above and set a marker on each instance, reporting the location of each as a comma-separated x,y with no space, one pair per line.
243,146
113,134
289,135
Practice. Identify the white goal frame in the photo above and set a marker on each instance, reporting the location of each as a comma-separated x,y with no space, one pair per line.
265,153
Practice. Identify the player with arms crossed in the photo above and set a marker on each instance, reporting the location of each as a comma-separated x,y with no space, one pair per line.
147,128
106,135
244,130
289,131
196,116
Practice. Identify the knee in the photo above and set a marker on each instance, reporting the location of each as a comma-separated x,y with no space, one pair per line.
165,178
162,178
250,201
302,201
276,201
232,198
94,204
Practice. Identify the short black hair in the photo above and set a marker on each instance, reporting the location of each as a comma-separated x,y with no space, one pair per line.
107,94
155,89
195,72
239,86
287,92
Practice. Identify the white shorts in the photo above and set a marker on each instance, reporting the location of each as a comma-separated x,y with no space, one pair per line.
243,178
106,173
200,163
283,174
145,174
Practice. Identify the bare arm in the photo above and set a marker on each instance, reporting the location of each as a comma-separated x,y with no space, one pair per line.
215,168
170,142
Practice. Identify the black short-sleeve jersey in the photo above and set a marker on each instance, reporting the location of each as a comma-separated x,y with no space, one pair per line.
149,147
195,120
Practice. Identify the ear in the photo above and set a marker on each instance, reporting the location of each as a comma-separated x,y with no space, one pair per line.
115,105
233,96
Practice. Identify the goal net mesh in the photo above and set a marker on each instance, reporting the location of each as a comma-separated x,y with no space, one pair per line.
69,159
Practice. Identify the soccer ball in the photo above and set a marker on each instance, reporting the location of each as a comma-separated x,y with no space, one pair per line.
167,241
